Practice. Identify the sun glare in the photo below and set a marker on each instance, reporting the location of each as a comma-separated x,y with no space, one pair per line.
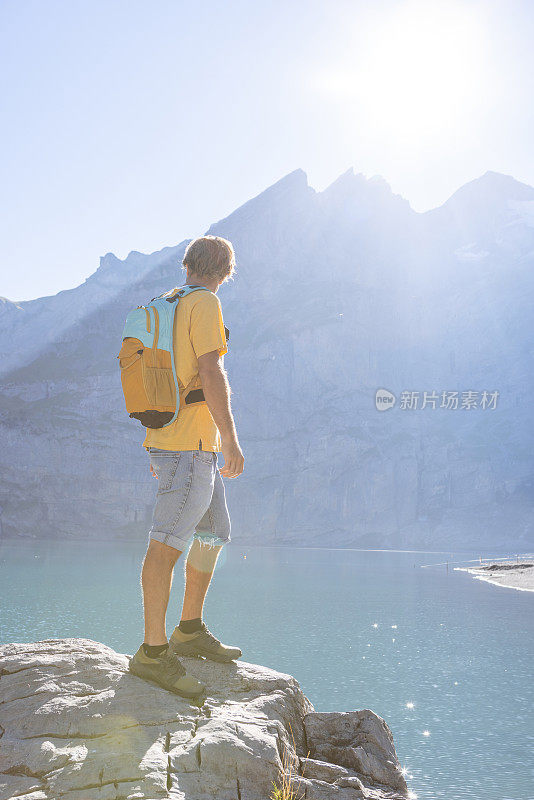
418,75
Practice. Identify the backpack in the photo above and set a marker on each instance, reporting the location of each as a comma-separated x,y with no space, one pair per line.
148,371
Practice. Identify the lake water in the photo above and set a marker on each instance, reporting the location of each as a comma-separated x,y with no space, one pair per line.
358,629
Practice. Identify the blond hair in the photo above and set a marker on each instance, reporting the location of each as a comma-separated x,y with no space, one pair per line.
210,257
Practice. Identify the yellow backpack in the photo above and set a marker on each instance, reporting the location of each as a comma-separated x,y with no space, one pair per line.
148,372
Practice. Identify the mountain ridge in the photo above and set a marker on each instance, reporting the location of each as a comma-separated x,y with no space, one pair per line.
333,297
296,179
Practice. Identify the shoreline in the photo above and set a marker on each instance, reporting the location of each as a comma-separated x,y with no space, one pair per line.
32,540
519,576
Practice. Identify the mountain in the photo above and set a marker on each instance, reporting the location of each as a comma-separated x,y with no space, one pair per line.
337,294
35,324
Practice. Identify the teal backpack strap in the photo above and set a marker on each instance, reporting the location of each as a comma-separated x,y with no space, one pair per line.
183,291
174,297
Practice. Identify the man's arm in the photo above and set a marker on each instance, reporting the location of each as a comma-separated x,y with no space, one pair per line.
217,393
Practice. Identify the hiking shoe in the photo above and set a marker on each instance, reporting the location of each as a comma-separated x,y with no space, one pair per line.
167,671
202,643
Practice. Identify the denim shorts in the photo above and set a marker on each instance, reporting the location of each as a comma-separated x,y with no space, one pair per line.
191,500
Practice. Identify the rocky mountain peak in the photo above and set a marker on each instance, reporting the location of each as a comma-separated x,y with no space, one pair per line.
353,189
491,191
8,307
290,192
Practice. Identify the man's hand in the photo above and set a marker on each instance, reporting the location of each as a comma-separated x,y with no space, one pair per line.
234,462
217,394
153,471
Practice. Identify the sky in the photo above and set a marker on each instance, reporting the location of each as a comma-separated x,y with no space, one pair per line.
132,125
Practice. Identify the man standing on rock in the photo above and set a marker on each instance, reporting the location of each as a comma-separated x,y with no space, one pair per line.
191,499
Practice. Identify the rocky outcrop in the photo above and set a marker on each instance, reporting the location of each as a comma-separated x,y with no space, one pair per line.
75,724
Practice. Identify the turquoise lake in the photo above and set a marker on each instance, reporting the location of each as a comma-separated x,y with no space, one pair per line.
358,629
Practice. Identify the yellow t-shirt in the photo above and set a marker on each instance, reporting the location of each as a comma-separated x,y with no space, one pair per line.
198,329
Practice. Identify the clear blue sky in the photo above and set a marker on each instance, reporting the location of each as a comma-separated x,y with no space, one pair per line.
133,125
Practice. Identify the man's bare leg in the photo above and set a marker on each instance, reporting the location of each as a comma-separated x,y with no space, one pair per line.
156,581
199,567
191,637
153,661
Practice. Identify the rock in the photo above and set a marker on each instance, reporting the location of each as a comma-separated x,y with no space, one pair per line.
75,724
358,740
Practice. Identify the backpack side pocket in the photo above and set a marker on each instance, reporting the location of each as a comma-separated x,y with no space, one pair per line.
131,365
160,388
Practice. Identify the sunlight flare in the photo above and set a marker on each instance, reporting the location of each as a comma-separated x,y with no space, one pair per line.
419,74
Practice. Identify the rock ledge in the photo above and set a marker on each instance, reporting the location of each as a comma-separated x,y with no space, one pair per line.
74,724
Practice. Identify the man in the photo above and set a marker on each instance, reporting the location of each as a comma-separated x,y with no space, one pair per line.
191,498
